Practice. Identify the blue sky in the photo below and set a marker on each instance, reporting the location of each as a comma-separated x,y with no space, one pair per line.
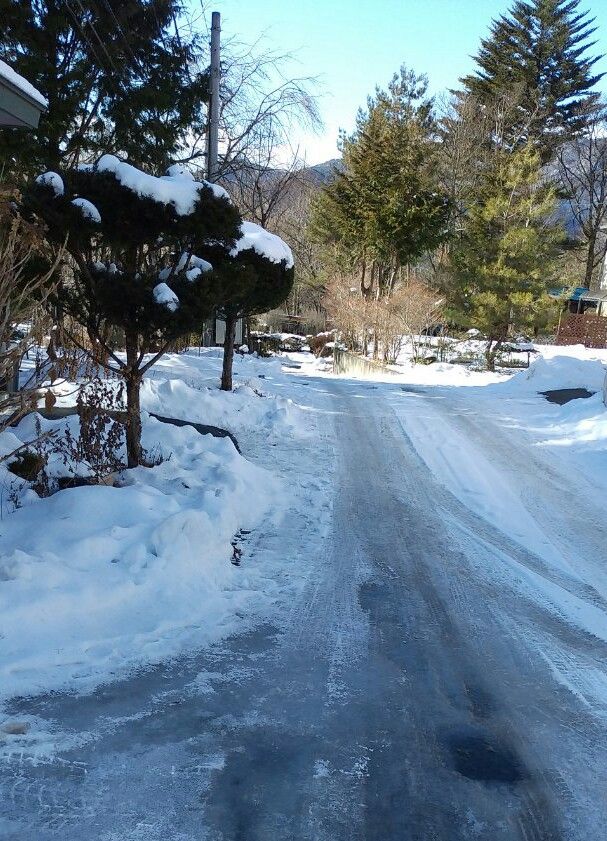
352,45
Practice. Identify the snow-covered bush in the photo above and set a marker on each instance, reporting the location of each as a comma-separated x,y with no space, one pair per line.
132,245
257,275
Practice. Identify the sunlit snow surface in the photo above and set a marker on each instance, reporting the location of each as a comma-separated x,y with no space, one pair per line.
425,599
7,72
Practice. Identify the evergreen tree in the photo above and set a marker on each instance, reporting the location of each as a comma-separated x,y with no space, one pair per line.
118,76
133,241
538,55
257,275
504,263
382,211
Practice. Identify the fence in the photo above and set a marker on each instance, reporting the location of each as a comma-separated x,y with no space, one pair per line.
588,330
348,363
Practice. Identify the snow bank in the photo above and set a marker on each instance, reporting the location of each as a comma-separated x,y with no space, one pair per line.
18,81
97,580
560,371
177,188
245,408
263,243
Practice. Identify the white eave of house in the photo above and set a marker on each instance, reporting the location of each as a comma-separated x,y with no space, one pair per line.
20,103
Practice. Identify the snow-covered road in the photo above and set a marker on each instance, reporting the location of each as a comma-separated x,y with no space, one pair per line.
440,671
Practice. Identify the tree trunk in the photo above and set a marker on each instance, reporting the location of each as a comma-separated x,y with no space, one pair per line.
228,353
133,407
133,421
590,262
491,351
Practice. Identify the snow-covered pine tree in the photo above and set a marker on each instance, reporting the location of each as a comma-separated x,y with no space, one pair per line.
257,275
133,241
538,55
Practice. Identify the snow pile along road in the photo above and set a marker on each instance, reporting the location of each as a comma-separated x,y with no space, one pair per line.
241,409
557,372
97,580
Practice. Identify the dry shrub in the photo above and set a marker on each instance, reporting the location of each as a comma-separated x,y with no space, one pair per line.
23,294
407,315
402,315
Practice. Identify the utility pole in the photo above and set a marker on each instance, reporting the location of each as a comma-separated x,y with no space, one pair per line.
213,147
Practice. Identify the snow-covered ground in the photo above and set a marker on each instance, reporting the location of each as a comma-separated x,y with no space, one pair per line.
575,433
97,580
425,579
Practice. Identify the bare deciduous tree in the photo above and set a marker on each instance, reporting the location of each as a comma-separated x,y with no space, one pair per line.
412,311
260,105
23,292
392,321
582,166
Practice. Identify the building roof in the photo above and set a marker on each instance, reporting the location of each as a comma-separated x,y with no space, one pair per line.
20,103
593,295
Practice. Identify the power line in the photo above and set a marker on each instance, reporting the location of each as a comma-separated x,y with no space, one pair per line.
96,34
122,34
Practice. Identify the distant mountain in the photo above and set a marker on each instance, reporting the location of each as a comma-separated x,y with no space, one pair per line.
323,173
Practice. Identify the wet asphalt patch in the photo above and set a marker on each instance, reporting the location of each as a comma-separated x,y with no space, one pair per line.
479,758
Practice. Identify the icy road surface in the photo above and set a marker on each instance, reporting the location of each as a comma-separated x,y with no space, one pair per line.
440,675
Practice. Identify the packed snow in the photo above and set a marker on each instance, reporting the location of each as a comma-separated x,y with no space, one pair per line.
264,243
10,75
53,180
177,189
87,208
165,296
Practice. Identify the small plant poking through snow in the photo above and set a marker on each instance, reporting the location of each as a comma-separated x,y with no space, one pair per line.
98,447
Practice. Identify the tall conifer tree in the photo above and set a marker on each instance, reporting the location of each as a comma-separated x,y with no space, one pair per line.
118,76
504,263
383,210
539,53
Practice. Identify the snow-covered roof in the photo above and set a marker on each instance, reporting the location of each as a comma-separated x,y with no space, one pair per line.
178,187
9,75
264,243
